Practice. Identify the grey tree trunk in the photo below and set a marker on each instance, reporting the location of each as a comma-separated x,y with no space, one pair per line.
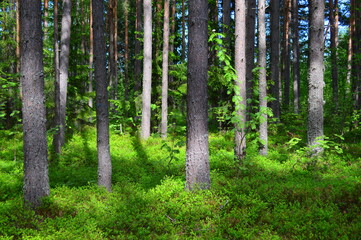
100,72
113,50
275,59
60,103
250,49
240,83
296,58
316,75
226,21
164,123
197,165
263,133
286,64
147,70
36,180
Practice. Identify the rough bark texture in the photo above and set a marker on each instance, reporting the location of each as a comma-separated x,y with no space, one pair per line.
147,70
36,180
197,165
263,134
316,75
240,66
285,74
275,59
62,85
296,58
100,72
166,29
334,44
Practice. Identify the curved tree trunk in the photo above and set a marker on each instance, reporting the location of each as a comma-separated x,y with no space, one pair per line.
36,180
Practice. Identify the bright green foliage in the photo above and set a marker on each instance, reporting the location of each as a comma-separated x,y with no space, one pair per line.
286,195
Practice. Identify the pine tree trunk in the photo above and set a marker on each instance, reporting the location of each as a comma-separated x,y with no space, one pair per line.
316,76
240,84
334,45
226,20
36,180
113,53
263,134
147,70
164,122
356,61
91,54
250,49
183,54
285,74
60,103
126,50
100,72
275,59
197,165
138,46
296,58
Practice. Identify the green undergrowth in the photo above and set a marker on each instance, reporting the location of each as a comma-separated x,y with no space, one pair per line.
286,195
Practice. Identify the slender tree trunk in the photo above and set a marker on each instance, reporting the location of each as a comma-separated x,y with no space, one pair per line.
147,70
100,72
250,49
164,122
138,45
17,51
226,20
36,180
60,103
316,75
91,54
113,55
275,59
46,16
286,54
296,58
197,165
126,49
334,44
183,54
356,61
240,84
263,134
350,49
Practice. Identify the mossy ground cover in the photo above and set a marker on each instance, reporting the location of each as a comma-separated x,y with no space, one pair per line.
286,195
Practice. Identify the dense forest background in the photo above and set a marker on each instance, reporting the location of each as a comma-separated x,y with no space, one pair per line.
259,102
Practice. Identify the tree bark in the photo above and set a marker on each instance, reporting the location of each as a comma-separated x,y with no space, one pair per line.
100,72
183,53
316,76
91,55
60,103
285,74
197,165
250,49
36,180
226,20
113,50
296,58
275,59
147,70
240,84
334,44
138,45
263,134
164,122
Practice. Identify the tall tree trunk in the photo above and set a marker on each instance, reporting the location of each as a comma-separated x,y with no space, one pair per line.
350,49
286,54
100,72
316,75
36,179
183,53
138,45
113,53
164,122
263,134
60,103
147,70
126,49
334,44
250,49
240,84
17,51
226,20
356,61
275,59
91,54
296,58
46,16
197,165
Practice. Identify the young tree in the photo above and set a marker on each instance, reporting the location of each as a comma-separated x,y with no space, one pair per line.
316,75
36,180
197,165
147,70
240,83
166,29
100,72
263,134
275,59
62,85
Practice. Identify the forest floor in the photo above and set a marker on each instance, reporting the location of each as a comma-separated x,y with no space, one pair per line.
286,195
